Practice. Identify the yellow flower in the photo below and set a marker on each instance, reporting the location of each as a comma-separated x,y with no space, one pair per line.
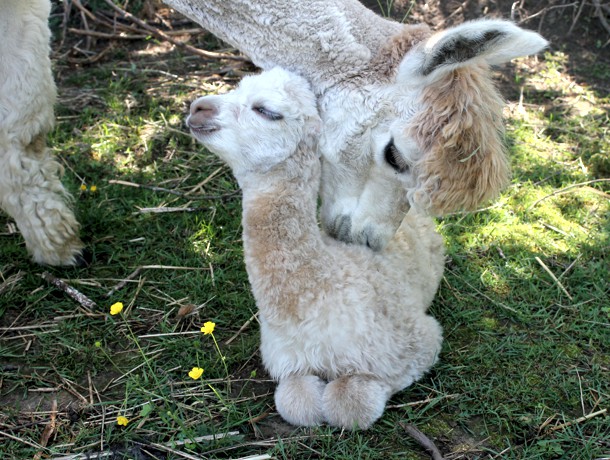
83,187
208,327
116,308
93,188
120,420
195,373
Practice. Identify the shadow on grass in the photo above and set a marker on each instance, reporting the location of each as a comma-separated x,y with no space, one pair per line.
519,353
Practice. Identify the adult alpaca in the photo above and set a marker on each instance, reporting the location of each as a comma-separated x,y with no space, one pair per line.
409,117
343,327
30,189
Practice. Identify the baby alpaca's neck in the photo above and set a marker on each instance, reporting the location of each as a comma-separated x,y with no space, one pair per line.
279,205
281,234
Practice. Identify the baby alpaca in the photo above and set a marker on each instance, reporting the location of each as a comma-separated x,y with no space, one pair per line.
342,327
30,189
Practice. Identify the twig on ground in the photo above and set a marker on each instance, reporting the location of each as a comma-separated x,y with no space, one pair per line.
124,282
545,10
137,272
23,441
575,20
92,59
81,298
96,34
601,15
423,440
174,192
170,267
552,275
49,429
200,185
168,334
10,282
565,190
163,36
423,401
455,11
569,267
241,329
164,447
576,421
133,36
67,385
168,209
154,188
255,457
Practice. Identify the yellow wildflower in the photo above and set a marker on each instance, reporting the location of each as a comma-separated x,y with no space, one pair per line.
208,327
93,188
83,188
120,420
116,308
195,373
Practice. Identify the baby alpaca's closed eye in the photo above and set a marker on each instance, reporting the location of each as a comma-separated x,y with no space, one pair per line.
268,114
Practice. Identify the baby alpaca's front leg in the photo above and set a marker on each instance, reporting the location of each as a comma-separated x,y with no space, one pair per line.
298,399
355,401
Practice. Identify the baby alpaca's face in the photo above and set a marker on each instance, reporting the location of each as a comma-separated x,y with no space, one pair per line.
257,125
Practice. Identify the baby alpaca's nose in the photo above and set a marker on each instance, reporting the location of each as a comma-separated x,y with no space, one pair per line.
203,108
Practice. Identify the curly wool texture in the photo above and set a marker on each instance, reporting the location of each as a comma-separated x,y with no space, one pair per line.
342,327
30,189
461,132
352,57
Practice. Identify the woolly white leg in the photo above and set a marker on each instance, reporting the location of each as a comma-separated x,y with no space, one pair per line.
298,399
425,352
32,194
355,401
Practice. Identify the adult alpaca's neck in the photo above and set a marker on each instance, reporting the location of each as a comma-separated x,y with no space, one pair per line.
324,41
282,240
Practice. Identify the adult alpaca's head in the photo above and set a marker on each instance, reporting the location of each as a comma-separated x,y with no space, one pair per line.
437,142
259,124
449,153
410,117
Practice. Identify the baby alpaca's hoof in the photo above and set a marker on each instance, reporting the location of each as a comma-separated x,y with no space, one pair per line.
354,401
298,399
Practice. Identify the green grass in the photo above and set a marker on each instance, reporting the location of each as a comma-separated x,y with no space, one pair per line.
523,353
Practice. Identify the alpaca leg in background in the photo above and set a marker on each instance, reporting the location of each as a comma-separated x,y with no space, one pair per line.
30,189
31,193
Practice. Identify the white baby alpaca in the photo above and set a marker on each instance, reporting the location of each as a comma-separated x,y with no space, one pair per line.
342,327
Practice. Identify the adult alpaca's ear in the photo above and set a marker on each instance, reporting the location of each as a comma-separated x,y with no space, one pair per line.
458,124
488,41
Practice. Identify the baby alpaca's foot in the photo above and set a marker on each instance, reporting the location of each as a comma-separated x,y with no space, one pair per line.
298,399
355,401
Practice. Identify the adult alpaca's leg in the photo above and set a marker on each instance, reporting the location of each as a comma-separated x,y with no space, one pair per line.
32,194
30,190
